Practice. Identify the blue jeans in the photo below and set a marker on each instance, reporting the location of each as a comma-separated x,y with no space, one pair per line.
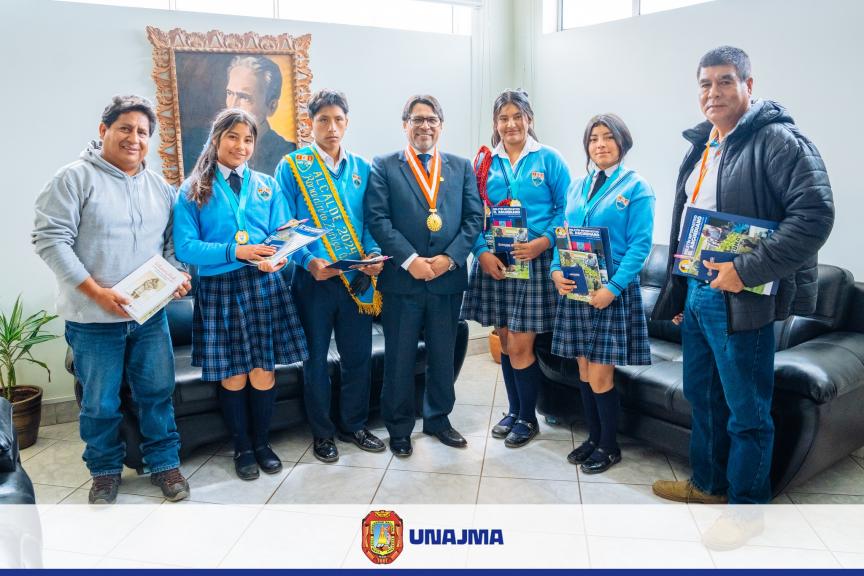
326,308
729,382
108,354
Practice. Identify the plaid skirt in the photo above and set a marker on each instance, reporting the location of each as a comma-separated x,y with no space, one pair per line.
616,335
520,305
245,319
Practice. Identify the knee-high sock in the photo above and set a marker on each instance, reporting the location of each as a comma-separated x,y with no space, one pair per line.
510,384
528,383
589,410
607,406
261,402
233,403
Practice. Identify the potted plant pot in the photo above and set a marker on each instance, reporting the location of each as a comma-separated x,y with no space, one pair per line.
495,346
26,414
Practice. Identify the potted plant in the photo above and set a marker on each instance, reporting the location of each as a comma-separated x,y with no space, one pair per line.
18,335
495,346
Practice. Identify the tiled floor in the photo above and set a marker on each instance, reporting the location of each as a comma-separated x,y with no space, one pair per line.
485,473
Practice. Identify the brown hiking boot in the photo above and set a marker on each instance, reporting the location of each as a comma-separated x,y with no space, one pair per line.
104,489
173,484
685,491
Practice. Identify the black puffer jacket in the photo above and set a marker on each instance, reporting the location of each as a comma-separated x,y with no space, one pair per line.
768,170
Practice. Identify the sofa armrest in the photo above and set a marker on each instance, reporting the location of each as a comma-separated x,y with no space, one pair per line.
823,368
8,442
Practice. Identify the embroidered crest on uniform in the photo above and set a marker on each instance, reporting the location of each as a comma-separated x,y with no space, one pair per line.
304,161
621,202
357,180
265,192
537,178
382,536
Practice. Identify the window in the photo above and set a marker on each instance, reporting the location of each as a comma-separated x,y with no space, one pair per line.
442,16
564,14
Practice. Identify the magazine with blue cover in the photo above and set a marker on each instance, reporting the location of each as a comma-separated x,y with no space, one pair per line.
583,268
509,225
588,240
719,237
289,238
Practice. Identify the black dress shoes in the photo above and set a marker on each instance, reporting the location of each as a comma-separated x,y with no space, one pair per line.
245,465
582,453
449,437
600,461
401,446
325,450
364,440
522,433
504,426
268,460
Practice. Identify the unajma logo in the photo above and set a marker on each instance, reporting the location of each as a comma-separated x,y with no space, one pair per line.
382,536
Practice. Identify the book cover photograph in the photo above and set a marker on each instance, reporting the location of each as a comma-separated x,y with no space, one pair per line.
588,240
584,269
290,238
719,237
347,264
508,227
150,287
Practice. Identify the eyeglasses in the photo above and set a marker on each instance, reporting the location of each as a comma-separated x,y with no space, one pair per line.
418,121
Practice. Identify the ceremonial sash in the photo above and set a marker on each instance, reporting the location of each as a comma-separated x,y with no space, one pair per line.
429,184
325,206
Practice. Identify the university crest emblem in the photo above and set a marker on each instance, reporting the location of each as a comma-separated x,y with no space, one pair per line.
304,161
265,192
537,178
621,202
382,536
357,180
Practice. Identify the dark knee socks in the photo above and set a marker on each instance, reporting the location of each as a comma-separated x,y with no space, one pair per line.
527,384
510,384
607,407
589,410
233,403
261,403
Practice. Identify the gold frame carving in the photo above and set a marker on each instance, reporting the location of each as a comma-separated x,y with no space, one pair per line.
167,44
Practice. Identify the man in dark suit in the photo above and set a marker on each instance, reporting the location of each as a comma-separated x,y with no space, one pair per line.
423,209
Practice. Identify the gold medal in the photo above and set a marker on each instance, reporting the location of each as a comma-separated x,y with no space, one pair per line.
242,237
515,202
433,221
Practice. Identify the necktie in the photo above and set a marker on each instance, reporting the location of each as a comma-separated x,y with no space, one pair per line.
601,179
234,182
424,158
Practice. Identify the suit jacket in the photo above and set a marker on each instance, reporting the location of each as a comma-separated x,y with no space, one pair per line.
396,211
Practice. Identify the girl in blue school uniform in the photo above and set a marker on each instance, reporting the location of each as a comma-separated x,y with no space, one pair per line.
245,321
518,171
610,330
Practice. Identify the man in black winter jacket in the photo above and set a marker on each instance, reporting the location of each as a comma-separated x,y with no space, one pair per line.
748,159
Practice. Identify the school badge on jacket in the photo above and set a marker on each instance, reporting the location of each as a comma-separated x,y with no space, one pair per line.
304,161
621,202
265,192
537,178
357,180
382,536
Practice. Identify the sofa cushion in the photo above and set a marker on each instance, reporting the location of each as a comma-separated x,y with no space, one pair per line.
854,321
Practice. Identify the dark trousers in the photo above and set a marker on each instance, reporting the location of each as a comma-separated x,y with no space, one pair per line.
326,308
405,318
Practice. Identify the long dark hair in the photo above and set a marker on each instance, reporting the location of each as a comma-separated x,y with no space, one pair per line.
518,98
201,179
620,133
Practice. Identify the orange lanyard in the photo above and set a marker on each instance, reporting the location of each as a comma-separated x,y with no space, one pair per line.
703,168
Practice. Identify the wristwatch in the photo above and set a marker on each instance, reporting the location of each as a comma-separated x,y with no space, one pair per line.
452,264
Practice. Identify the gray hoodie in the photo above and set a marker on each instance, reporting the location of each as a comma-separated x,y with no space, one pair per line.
92,219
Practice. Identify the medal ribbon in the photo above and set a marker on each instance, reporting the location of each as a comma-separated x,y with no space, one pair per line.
703,167
429,183
238,208
510,180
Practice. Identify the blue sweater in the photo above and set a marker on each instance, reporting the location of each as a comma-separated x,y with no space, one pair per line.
350,182
542,179
205,237
626,208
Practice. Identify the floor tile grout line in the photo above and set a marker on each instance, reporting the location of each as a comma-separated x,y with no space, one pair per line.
282,482
128,534
243,533
815,531
485,449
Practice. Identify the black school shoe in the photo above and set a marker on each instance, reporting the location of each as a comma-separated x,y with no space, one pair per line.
363,439
245,465
504,426
522,433
325,450
268,460
600,461
582,453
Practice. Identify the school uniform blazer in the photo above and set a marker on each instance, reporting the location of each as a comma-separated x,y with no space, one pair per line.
396,211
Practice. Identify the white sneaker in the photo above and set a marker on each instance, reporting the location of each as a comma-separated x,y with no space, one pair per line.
732,530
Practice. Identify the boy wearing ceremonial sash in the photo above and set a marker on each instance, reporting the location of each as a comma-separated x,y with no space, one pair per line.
423,209
326,184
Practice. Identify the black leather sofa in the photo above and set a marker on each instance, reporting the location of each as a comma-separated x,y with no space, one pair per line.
196,406
818,406
15,485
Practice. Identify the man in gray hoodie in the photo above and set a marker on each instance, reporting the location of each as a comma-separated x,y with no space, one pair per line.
97,220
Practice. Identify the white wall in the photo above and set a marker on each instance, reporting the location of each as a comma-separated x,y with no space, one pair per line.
805,55
65,61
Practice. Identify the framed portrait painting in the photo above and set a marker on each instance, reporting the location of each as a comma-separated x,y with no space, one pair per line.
199,74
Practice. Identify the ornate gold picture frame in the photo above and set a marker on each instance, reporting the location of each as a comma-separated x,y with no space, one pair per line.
199,74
